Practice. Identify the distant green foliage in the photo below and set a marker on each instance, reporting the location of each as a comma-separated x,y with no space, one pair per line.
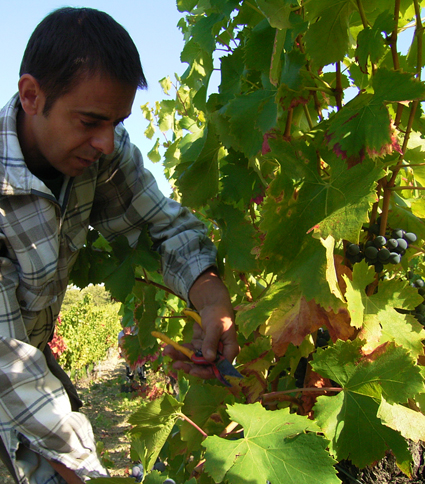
88,331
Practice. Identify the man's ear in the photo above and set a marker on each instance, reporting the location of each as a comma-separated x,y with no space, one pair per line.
31,96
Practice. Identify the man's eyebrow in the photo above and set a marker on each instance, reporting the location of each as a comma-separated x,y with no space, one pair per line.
101,117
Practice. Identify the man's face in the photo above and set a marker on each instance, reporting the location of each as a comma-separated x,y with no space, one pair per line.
79,128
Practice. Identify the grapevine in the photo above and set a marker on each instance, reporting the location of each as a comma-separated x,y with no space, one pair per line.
307,166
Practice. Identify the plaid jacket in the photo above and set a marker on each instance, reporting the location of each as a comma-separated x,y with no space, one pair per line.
39,241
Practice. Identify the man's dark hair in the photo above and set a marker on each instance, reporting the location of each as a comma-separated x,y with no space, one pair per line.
71,43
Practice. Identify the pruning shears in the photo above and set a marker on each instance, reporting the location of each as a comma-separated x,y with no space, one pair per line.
221,367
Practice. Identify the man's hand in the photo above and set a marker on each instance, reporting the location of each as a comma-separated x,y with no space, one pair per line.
211,299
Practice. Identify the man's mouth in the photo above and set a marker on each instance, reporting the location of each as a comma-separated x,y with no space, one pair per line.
86,162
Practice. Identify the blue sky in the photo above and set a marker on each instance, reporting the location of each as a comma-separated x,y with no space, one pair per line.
151,23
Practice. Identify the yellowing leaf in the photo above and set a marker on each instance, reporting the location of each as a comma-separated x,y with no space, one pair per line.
409,423
292,321
331,276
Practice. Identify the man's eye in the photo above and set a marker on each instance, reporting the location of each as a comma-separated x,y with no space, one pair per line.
89,124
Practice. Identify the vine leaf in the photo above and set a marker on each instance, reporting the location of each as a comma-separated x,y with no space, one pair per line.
388,372
364,125
152,424
336,205
197,174
370,43
250,117
277,446
277,12
255,360
327,38
201,405
409,423
146,314
362,276
115,480
376,315
236,246
292,320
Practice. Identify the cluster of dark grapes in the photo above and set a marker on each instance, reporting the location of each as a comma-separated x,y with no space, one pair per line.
419,311
381,250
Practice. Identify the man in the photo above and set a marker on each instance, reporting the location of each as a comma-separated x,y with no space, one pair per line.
66,163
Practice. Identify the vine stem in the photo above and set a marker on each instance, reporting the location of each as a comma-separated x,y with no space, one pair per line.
185,417
418,36
393,37
362,14
338,88
287,133
405,188
284,395
229,429
159,286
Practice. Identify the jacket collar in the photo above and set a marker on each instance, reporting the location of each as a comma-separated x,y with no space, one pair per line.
15,177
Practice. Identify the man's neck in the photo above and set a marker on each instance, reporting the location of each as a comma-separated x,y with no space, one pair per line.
35,162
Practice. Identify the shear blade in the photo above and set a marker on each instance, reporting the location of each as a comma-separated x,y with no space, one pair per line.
227,369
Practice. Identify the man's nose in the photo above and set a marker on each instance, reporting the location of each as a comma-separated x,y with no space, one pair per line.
103,140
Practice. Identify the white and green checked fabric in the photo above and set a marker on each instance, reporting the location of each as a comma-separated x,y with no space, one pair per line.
39,241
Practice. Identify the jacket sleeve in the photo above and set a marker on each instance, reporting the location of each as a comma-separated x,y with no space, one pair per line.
35,411
34,407
127,197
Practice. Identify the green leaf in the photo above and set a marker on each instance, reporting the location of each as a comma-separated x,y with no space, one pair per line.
166,114
389,372
197,174
121,281
166,84
277,12
113,480
299,200
250,116
186,5
203,32
293,80
251,315
327,39
363,125
236,246
152,424
275,447
396,86
258,50
146,321
240,182
200,405
232,67
370,42
154,154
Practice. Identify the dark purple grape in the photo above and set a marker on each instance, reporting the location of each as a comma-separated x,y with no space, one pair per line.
379,241
410,237
384,255
402,245
371,252
395,258
392,244
397,233
353,249
419,283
